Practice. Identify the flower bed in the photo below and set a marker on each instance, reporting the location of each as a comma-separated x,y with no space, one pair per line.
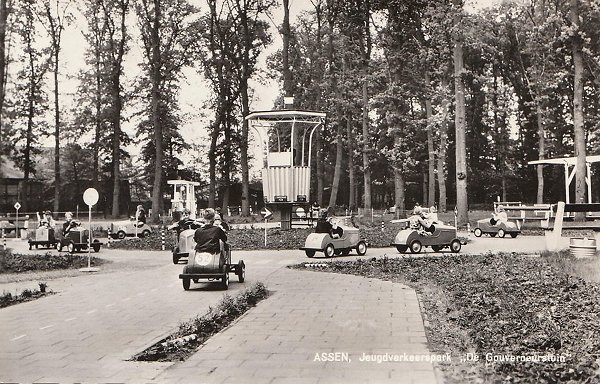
20,263
182,343
515,314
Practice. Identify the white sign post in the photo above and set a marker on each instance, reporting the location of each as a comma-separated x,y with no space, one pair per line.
90,197
17,207
267,215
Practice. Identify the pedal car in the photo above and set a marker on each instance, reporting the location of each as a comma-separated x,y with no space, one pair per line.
203,265
122,229
323,242
77,240
499,228
185,245
415,239
42,236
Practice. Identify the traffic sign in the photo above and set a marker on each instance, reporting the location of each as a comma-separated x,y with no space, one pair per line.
90,196
17,206
266,213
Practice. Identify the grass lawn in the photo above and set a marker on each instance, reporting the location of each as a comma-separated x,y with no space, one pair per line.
527,319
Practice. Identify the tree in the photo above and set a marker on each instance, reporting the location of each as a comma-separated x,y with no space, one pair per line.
56,17
459,120
166,43
5,10
578,122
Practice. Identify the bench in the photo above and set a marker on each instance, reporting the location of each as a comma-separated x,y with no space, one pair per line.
553,232
541,213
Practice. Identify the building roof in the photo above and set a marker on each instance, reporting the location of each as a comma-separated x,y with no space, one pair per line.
566,160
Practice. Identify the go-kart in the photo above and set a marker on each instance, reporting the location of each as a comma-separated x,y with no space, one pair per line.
42,236
415,239
185,245
122,229
77,240
323,242
499,228
203,265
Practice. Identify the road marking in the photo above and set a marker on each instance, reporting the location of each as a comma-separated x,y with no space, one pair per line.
70,319
92,311
17,338
46,327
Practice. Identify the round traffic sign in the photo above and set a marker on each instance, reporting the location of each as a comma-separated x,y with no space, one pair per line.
300,212
90,196
17,206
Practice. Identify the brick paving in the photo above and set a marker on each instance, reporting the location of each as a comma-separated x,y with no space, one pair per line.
310,314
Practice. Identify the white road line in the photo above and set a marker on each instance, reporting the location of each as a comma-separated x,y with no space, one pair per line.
17,338
46,327
70,319
92,311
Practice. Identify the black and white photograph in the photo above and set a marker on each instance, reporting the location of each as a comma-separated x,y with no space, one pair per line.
300,191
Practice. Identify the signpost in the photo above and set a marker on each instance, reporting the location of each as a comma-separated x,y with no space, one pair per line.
267,215
90,197
17,207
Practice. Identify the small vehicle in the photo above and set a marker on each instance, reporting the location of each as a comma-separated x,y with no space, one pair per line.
204,265
415,239
42,236
77,240
499,228
323,242
122,229
185,245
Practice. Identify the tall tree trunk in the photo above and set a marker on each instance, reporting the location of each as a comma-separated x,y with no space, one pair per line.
365,154
459,120
212,165
578,122
430,148
399,188
320,168
441,160
541,153
285,34
351,174
245,112
155,78
338,165
57,180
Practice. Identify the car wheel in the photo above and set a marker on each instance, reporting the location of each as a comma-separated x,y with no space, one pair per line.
513,235
329,250
186,283
225,281
310,252
493,234
477,232
401,248
361,248
415,246
96,247
121,235
59,246
455,246
241,271
30,246
501,233
175,258
146,233
345,252
71,247
436,248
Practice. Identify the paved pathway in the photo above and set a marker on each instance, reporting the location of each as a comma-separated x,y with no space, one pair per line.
311,317
87,331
